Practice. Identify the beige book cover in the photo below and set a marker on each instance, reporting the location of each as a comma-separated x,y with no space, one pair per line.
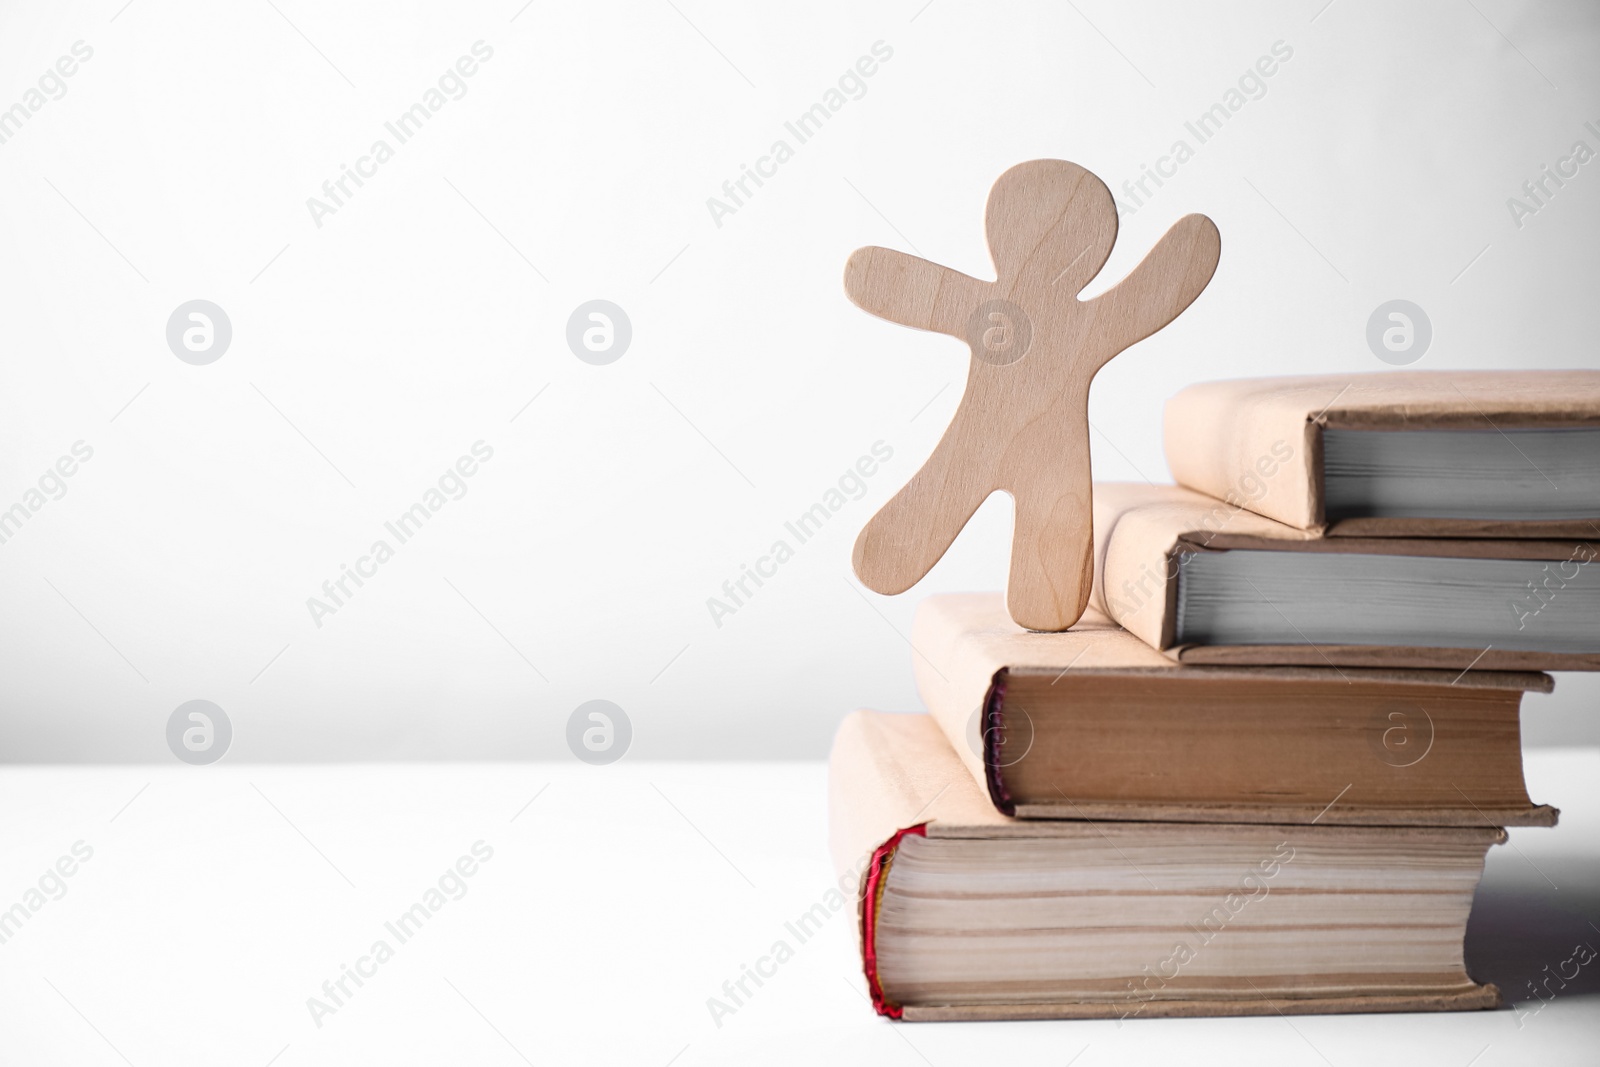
1258,442
1142,532
894,777
1093,723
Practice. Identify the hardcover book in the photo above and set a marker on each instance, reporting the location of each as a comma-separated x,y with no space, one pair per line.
1205,581
1095,724
1496,454
967,914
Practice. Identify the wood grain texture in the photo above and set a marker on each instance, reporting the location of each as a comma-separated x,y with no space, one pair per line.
1022,425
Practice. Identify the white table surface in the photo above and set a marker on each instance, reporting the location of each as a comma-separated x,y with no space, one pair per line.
219,899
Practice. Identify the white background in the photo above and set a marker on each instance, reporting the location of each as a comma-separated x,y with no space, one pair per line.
369,353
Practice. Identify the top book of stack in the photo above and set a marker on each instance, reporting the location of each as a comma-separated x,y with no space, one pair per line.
1481,454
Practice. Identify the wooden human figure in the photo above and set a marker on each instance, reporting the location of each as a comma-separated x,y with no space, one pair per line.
1023,423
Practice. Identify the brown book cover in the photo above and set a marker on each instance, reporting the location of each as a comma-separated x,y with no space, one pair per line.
1143,532
1258,443
967,914
1095,724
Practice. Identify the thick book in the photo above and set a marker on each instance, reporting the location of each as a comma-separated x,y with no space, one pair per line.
1208,582
1498,454
1095,724
967,914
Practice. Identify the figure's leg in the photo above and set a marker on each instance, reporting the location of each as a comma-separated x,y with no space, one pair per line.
912,531
1052,542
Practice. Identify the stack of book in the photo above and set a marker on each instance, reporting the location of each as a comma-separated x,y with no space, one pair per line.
1263,771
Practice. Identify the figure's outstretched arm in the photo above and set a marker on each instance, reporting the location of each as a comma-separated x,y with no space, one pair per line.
912,291
1164,283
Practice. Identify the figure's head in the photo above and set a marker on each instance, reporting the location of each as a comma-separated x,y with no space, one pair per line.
1050,223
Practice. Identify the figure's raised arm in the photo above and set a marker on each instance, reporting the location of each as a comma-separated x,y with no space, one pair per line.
912,291
1164,283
